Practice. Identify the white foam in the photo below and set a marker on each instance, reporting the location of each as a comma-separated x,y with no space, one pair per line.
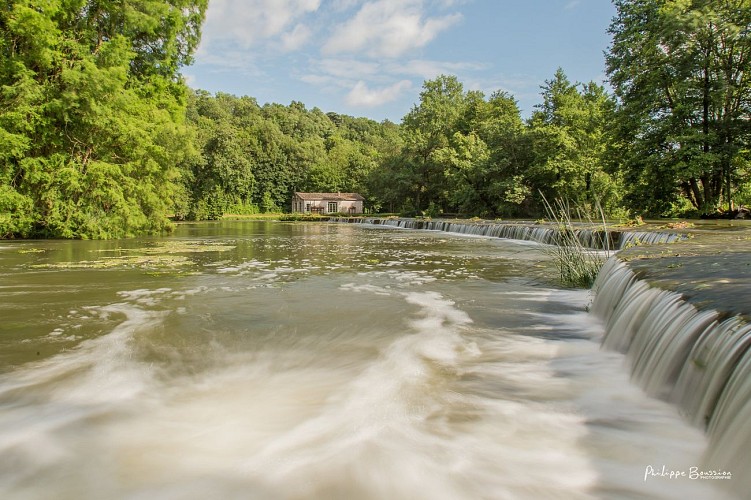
378,290
431,406
144,296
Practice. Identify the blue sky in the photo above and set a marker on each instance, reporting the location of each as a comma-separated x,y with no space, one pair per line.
370,57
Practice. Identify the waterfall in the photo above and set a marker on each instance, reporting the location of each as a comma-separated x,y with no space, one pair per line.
695,359
632,238
598,239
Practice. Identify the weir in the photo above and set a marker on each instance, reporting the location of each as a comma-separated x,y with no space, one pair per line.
699,360
595,238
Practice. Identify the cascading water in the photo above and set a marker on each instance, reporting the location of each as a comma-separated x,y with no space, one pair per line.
692,358
632,238
598,239
689,357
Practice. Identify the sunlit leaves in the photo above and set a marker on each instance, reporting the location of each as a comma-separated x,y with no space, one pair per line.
569,141
681,72
91,113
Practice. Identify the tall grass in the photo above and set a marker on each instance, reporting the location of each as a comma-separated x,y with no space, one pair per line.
578,264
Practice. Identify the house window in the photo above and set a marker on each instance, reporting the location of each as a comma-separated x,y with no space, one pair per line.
332,207
307,207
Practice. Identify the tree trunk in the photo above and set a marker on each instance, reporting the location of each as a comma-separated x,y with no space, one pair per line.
709,202
689,193
698,198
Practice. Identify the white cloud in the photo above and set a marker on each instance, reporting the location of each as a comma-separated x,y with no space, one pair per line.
388,28
338,5
450,3
297,38
351,49
331,74
247,22
348,71
350,68
362,95
230,59
321,80
427,69
572,5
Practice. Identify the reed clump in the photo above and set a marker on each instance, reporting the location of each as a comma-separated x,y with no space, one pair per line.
578,263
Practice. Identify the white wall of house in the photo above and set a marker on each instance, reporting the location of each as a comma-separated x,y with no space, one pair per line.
353,206
327,206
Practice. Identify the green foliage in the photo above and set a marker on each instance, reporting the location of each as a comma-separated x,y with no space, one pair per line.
463,153
681,73
99,136
674,140
303,217
267,204
253,158
15,213
243,209
428,130
91,115
569,142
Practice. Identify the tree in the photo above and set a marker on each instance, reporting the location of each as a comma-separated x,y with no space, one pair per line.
92,114
221,176
428,127
254,158
461,153
568,135
680,70
465,162
506,183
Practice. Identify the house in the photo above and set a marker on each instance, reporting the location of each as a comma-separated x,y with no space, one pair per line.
328,203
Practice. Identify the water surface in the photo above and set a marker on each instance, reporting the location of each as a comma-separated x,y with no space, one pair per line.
287,360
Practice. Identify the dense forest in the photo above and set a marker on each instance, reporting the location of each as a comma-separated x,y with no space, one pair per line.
100,136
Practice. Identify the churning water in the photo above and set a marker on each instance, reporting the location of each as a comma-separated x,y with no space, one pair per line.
291,361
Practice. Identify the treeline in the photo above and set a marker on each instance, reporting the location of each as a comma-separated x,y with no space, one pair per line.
464,153
100,137
252,158
673,139
681,72
455,152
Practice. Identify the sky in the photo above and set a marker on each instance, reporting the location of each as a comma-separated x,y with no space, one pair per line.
370,57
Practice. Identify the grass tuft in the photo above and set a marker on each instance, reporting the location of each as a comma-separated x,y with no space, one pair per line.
578,264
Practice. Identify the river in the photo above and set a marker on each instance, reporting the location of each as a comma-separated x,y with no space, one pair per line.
309,360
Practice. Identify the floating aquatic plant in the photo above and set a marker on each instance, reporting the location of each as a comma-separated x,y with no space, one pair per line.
160,257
